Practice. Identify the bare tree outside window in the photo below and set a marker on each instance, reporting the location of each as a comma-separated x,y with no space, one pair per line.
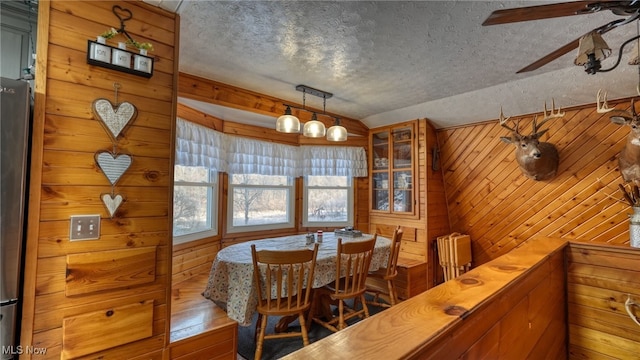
328,200
260,199
194,201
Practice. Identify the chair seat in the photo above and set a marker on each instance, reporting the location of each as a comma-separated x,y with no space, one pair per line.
283,308
331,290
376,284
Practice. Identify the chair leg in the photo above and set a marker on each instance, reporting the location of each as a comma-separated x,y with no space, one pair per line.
303,329
341,323
364,306
262,321
392,293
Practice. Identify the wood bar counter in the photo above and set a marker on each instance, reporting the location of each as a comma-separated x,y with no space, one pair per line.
513,307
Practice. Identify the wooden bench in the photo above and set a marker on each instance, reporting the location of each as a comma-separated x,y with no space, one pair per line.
199,328
412,277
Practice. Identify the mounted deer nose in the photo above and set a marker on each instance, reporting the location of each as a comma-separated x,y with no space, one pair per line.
536,155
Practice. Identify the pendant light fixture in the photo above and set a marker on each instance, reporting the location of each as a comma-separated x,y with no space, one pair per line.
288,123
337,132
313,128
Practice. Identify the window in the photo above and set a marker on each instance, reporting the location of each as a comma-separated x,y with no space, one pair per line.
260,202
195,203
328,201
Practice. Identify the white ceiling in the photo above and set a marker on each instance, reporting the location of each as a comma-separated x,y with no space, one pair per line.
392,61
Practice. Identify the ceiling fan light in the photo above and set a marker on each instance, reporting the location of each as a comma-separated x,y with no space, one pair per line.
592,44
337,132
314,128
288,123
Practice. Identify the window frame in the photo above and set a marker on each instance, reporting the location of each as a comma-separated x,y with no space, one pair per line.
213,208
291,191
350,203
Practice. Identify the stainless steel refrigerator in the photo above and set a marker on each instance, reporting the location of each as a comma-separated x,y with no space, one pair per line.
14,147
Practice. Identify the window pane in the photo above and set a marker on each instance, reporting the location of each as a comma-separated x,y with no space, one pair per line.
253,179
253,206
192,174
332,181
191,210
327,205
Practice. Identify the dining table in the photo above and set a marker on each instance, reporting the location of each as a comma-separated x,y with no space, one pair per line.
231,284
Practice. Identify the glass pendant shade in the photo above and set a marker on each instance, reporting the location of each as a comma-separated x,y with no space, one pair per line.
592,43
337,132
314,128
288,123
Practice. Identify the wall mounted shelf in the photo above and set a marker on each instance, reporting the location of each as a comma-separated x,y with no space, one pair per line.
118,59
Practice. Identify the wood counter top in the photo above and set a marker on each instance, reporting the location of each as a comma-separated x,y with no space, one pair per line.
409,328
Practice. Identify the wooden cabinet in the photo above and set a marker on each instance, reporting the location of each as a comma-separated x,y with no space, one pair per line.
402,155
411,279
392,164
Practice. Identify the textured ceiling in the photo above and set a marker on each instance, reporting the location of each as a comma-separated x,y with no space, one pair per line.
392,61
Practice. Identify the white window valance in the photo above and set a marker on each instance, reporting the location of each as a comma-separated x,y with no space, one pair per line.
333,161
200,146
248,156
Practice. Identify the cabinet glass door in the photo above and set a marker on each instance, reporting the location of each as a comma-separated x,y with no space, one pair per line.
392,186
402,140
380,171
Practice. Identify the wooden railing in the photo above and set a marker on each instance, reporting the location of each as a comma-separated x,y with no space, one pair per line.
511,307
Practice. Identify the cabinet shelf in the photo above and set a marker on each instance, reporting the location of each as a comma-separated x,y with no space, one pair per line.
392,167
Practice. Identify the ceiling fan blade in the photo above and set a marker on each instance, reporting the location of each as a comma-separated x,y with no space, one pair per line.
570,46
539,12
551,56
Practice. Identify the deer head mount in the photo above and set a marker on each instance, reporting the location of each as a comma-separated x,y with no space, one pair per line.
629,157
537,160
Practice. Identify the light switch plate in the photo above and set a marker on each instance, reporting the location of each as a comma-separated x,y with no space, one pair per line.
84,227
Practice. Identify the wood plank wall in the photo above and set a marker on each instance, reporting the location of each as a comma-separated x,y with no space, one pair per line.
599,281
65,181
489,199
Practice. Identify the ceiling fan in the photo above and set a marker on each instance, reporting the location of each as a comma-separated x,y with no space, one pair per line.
629,10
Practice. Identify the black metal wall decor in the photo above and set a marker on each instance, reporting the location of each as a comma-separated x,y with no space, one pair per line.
120,58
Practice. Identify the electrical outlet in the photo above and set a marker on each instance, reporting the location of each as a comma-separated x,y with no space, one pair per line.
84,227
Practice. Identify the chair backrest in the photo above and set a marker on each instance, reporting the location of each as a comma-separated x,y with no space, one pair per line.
284,278
352,268
394,252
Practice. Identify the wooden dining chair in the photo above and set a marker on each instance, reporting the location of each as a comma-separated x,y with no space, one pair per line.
283,280
352,265
380,282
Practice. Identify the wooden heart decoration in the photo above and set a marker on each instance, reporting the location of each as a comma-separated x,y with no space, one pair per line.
114,118
113,166
112,202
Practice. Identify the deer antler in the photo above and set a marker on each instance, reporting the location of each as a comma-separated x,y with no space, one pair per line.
547,116
601,103
503,122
